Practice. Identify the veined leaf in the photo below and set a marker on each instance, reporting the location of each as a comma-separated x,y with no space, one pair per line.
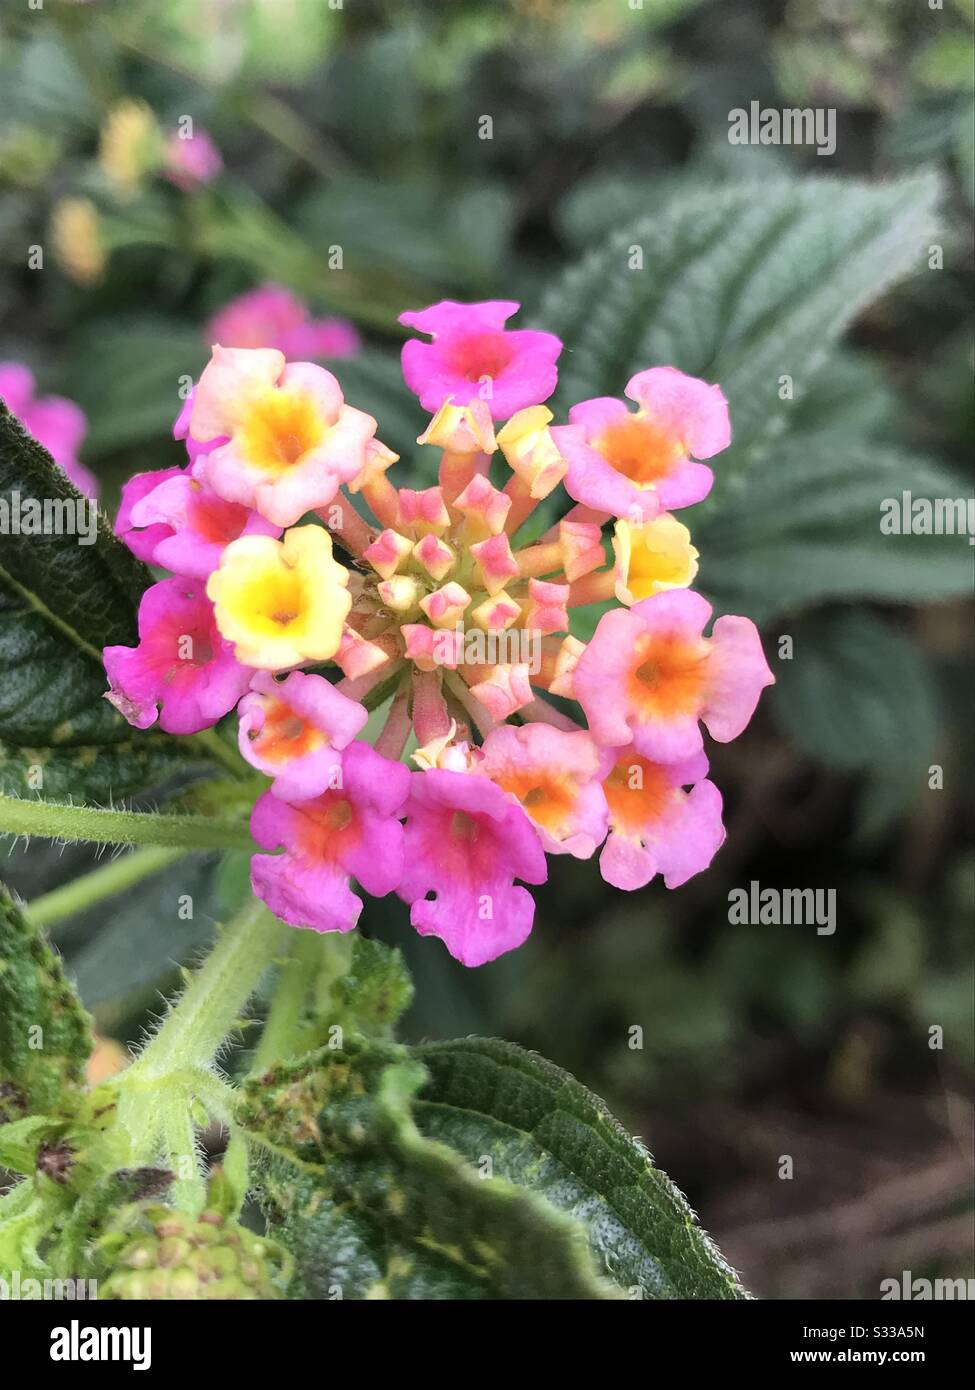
371,1208
45,1038
374,991
60,603
739,285
544,1131
804,526
857,696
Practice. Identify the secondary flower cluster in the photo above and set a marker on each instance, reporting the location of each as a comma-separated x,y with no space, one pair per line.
448,612
54,421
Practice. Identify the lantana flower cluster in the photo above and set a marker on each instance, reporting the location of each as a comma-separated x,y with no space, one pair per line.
308,590
54,421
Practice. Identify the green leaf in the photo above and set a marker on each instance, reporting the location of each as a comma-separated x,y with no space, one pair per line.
45,87
543,1130
60,603
144,358
45,1037
375,991
804,526
26,1219
370,1208
129,956
739,285
246,231
19,1141
858,696
417,229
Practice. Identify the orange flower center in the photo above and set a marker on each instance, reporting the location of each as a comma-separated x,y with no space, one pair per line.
637,792
546,797
667,677
285,735
640,451
328,825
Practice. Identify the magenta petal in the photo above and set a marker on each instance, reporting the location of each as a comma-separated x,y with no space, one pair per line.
181,668
315,896
142,542
314,703
473,357
450,317
349,832
466,842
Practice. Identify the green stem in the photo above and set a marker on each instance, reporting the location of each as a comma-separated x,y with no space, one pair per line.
210,1007
188,1192
215,747
59,822
314,962
104,882
157,1091
284,1021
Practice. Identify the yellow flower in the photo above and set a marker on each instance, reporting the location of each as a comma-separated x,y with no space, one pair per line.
77,238
653,556
131,144
281,602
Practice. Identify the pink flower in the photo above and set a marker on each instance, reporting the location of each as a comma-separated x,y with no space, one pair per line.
473,357
466,842
181,431
192,525
635,464
294,730
349,832
654,825
143,542
272,317
191,159
649,675
553,775
182,671
54,421
292,440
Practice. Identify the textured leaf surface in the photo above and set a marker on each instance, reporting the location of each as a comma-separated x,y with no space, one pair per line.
857,696
374,991
60,603
542,1129
371,1208
739,285
804,526
45,1039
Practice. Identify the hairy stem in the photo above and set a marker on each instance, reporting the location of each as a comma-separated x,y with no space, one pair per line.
209,1009
314,962
179,1152
59,822
284,1021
